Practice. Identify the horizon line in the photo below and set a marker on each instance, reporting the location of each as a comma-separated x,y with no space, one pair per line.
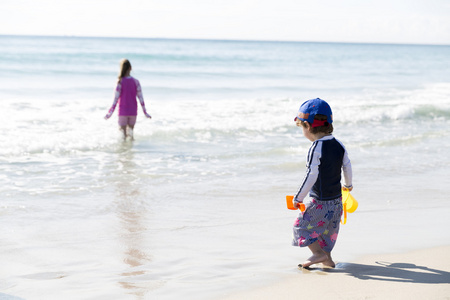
220,39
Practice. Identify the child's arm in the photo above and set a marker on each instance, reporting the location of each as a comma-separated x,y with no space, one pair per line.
141,98
312,172
116,99
347,169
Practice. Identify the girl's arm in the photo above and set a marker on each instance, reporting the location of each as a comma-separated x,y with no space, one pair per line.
141,98
116,99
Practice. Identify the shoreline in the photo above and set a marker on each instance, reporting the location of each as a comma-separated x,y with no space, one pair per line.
418,274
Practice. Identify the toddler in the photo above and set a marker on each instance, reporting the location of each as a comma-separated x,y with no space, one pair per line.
318,226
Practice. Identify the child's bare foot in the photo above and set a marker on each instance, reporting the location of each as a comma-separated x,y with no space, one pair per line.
315,259
329,262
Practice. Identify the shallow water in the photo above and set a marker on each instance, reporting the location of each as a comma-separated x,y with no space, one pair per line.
194,207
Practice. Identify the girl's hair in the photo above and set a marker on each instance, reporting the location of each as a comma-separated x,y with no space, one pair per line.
125,67
327,128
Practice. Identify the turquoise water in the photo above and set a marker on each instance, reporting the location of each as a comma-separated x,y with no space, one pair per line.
194,207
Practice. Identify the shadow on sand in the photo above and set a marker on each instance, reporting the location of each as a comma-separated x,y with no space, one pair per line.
394,272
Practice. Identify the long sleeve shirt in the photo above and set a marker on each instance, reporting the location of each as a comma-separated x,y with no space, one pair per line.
125,95
327,159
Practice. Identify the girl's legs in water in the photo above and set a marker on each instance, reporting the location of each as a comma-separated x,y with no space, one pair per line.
126,124
127,130
130,131
124,131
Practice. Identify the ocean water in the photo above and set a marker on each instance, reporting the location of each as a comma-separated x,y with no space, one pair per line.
194,207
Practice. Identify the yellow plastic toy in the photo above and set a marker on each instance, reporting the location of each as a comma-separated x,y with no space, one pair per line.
349,204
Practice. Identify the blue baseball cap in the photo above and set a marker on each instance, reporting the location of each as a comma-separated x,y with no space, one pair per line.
309,109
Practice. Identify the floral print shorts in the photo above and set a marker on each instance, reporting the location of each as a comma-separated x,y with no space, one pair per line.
319,222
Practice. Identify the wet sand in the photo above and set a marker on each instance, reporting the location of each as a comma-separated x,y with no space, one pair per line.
420,274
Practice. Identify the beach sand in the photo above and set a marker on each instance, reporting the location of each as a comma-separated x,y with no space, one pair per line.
421,274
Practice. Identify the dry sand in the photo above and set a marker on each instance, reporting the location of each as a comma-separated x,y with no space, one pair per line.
422,274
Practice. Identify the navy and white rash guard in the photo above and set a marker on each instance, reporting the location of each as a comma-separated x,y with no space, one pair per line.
326,160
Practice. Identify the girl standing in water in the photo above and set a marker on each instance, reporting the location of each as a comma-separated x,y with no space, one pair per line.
128,88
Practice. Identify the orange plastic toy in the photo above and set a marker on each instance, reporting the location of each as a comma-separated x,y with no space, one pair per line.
290,204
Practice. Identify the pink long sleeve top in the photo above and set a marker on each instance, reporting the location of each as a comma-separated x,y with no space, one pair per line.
126,92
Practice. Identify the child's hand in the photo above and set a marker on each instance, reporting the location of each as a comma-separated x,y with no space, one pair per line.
147,115
300,205
297,205
348,188
107,116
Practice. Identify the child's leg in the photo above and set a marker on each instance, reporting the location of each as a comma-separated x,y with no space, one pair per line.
329,239
123,120
329,262
130,131
131,123
318,255
124,131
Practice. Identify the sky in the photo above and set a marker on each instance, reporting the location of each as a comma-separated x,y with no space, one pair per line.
361,21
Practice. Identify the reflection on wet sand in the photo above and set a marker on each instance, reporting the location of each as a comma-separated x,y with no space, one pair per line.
132,214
